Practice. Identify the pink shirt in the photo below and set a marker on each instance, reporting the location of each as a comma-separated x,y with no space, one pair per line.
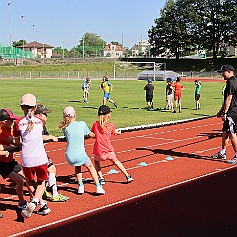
33,152
102,138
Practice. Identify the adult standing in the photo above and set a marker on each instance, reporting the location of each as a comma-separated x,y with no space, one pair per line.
228,113
149,88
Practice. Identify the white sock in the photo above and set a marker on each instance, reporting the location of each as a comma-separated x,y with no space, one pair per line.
52,184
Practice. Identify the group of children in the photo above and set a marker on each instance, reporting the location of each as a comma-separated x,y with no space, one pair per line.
172,89
105,85
29,133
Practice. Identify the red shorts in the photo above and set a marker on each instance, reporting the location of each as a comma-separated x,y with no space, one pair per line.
40,171
177,97
109,156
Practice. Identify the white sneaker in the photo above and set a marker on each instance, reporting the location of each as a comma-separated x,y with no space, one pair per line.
28,211
44,210
219,155
100,190
81,189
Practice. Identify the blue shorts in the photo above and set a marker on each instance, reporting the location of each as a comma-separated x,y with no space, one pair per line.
106,95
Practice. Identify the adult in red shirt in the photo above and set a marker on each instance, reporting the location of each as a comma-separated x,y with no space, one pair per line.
178,87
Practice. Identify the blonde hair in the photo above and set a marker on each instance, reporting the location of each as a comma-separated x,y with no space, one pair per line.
65,122
103,119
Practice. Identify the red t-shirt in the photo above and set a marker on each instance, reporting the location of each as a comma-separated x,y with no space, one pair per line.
177,88
102,138
4,134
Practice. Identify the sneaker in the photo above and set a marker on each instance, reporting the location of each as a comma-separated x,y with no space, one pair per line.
22,205
81,189
218,155
29,209
47,195
59,198
100,190
174,111
44,210
101,181
129,178
232,161
1,216
115,104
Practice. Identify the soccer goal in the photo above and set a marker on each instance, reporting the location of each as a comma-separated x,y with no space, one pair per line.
132,70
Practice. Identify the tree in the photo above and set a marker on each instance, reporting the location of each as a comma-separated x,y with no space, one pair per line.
91,45
18,43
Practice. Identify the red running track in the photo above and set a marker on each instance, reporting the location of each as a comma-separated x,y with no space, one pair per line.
191,195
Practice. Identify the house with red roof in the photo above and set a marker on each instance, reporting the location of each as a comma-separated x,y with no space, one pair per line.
113,51
38,50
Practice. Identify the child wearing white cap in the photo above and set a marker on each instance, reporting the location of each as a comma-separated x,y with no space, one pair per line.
34,157
75,152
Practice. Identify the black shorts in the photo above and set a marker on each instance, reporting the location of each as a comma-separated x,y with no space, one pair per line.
8,167
197,97
149,98
229,126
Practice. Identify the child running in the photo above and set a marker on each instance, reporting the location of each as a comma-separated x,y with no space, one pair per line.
75,152
9,168
103,149
178,87
106,86
34,157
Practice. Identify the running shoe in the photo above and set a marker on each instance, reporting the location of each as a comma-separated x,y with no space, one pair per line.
28,211
218,155
22,205
129,178
100,190
81,189
44,210
233,161
47,195
115,104
59,198
101,181
1,216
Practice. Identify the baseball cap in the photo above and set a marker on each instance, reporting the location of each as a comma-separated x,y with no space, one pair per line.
103,110
28,99
6,114
69,111
149,80
41,109
226,67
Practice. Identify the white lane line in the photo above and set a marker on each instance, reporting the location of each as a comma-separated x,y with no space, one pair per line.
119,202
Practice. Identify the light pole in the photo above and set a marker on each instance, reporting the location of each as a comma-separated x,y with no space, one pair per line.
34,39
23,32
9,20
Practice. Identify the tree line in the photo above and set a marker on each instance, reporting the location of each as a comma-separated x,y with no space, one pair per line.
185,26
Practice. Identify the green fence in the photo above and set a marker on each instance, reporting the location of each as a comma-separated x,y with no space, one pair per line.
12,52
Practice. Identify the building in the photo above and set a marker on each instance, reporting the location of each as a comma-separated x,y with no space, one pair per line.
38,50
141,49
113,51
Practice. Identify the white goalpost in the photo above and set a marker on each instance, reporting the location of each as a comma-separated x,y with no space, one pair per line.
125,66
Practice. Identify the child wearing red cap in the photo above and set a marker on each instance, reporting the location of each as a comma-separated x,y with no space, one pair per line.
103,149
75,152
9,168
34,157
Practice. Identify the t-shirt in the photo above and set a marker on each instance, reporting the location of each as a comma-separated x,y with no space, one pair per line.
198,89
105,85
149,88
86,85
231,89
178,88
169,89
102,138
33,151
75,151
4,134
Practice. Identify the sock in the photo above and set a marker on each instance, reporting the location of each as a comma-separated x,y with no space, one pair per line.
81,184
52,184
35,200
42,203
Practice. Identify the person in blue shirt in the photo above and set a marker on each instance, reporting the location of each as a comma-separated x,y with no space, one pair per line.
76,156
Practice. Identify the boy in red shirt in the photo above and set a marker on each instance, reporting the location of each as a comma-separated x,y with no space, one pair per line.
178,87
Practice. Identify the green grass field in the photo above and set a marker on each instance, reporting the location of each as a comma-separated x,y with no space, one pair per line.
56,94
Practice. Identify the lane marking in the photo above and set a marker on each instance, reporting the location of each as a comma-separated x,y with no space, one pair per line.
119,202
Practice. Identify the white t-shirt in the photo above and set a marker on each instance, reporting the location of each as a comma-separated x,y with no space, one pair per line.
33,151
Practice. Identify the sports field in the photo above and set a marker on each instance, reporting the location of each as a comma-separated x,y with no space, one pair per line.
56,94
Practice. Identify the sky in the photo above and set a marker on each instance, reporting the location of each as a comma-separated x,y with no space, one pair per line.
63,23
